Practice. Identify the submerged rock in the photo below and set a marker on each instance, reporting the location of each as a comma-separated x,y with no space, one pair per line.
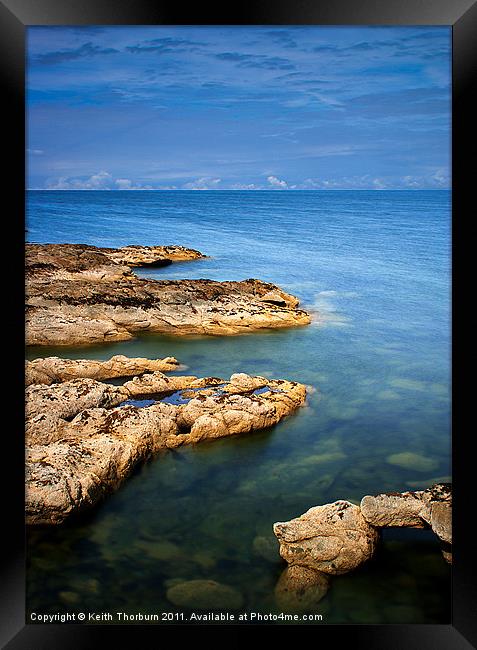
161,550
52,370
334,538
410,460
323,459
300,589
69,597
425,483
266,548
81,445
205,594
82,294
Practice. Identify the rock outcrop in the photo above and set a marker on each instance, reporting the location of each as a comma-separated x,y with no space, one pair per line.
84,437
333,538
393,509
226,413
421,509
47,408
82,257
156,383
338,537
151,255
52,370
431,507
242,383
438,512
80,294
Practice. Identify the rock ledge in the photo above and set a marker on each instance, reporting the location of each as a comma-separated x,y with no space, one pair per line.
84,436
79,294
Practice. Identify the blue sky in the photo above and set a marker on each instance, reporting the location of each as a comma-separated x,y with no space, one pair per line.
227,107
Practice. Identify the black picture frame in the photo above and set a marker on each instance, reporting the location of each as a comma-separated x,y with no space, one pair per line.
15,16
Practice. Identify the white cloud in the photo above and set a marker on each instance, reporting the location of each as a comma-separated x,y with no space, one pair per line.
330,101
123,183
202,184
343,182
103,180
63,183
435,178
35,152
440,177
410,181
276,182
100,181
307,98
297,103
245,186
127,184
311,184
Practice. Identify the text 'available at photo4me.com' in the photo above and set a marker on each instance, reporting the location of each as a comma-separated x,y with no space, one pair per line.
173,617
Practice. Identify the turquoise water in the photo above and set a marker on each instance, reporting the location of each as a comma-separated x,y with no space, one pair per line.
374,270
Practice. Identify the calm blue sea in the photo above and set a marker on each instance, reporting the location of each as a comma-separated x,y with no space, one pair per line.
374,269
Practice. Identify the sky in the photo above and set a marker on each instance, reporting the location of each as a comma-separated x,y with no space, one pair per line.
224,107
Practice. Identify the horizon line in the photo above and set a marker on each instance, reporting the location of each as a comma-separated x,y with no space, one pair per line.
236,189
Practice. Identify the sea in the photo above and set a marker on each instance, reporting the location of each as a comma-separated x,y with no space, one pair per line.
373,268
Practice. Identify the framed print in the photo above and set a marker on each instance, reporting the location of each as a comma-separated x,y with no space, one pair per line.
237,242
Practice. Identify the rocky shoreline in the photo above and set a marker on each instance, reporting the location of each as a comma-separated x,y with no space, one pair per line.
53,370
79,294
84,436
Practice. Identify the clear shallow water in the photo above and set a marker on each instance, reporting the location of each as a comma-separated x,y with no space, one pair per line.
375,269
